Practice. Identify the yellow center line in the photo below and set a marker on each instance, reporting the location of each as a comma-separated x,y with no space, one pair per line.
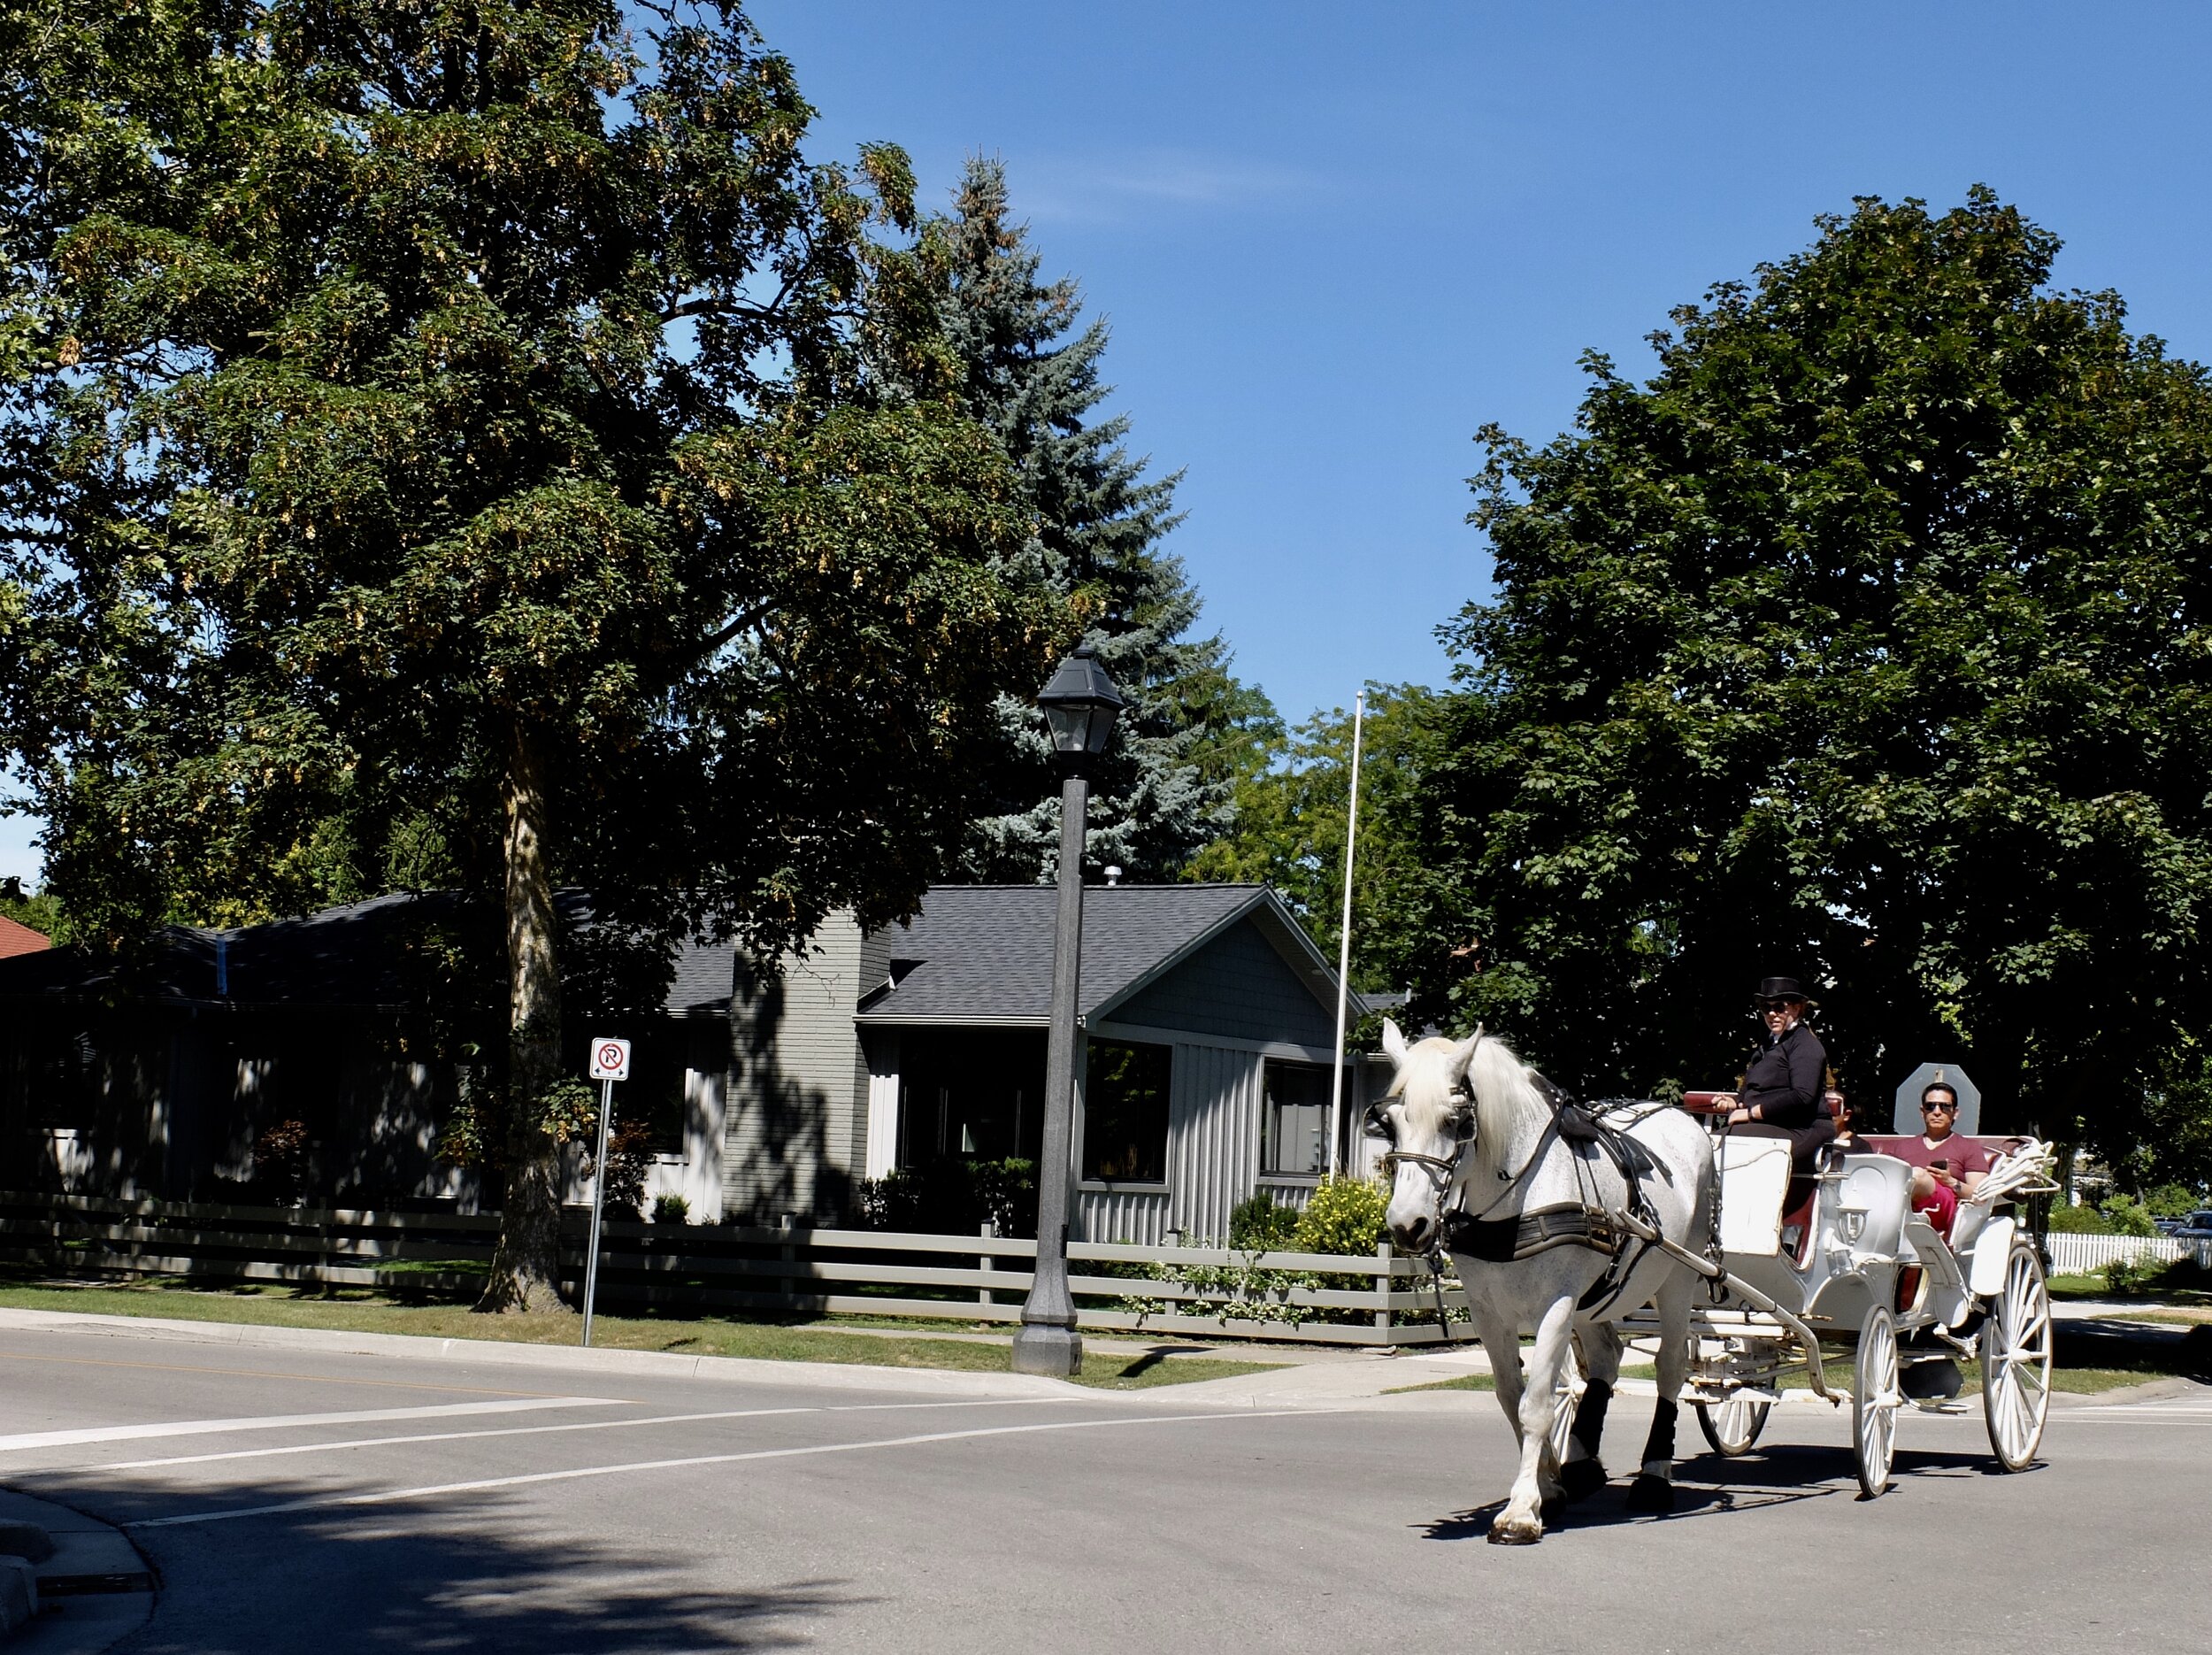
313,1379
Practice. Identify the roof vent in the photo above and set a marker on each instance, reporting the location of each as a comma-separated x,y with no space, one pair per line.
1113,874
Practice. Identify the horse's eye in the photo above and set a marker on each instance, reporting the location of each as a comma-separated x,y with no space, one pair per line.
1464,1126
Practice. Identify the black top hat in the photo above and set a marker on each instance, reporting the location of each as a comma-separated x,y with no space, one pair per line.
1779,989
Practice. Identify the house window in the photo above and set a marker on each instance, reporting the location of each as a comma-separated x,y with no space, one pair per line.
1294,1120
1125,1112
657,1092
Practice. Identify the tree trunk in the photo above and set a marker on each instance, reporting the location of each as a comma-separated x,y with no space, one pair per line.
526,1266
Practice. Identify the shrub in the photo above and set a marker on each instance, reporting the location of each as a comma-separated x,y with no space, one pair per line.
669,1209
2078,1220
629,1157
1260,1226
280,1162
2127,1216
2123,1276
952,1197
1344,1216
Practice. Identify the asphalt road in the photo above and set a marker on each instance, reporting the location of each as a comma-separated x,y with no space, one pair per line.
306,1500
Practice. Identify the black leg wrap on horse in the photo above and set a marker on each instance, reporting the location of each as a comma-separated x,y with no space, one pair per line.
1589,1424
1582,1478
1651,1492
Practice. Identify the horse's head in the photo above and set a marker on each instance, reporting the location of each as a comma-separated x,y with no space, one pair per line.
1428,1120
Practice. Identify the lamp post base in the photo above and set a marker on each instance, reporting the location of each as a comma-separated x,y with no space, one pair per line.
1041,1348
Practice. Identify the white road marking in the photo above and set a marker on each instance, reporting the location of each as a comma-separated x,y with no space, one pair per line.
386,1495
583,1425
285,1421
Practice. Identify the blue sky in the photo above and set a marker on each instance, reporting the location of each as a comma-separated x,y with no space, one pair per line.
1332,241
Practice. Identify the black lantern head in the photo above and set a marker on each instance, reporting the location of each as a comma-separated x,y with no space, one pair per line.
1079,705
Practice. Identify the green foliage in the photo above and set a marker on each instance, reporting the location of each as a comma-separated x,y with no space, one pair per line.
671,1209
434,446
1292,816
1864,641
2127,1216
2078,1220
629,1162
1260,1223
1019,359
1346,1215
42,912
2170,1201
2123,1276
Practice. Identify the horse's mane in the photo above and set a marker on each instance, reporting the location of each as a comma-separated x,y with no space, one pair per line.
1509,1106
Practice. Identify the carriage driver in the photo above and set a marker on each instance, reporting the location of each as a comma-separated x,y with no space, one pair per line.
1782,1091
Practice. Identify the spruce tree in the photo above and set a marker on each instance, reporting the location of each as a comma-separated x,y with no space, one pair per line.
1027,370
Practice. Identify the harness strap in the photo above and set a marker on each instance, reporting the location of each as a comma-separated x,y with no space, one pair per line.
1507,1241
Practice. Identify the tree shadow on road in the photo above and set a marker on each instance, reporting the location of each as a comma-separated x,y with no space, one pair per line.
475,1575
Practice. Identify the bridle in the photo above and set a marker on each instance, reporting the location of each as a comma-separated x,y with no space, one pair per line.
1442,1170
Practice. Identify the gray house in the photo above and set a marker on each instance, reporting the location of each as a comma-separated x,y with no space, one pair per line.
1209,1020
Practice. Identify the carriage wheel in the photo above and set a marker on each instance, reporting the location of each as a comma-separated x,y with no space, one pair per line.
2016,1355
1874,1398
1572,1382
1733,1426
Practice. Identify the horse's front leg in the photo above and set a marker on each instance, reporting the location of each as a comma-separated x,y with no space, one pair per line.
1654,1488
1522,1522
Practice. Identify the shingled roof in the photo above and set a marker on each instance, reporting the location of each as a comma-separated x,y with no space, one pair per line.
983,953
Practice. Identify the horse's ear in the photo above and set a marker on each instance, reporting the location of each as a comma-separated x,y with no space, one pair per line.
1394,1043
1464,1054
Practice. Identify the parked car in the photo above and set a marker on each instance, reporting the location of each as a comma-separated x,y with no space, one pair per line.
2197,1227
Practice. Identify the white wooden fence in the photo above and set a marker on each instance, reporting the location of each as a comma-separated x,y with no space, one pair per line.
2085,1255
1377,1299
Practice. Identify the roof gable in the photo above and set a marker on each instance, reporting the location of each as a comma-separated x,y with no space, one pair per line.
983,953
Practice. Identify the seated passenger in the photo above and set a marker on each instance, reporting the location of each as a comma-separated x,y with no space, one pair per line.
1945,1166
1781,1093
1847,1138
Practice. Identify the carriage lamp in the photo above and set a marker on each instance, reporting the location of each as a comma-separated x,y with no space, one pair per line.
1080,704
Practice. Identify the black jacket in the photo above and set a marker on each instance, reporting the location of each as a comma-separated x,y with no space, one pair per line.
1784,1081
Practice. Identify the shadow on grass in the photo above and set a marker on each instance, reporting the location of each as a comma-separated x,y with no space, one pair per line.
481,1573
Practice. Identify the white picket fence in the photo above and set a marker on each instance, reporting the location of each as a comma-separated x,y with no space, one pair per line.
2085,1255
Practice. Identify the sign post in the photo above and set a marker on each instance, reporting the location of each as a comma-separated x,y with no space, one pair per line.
610,1063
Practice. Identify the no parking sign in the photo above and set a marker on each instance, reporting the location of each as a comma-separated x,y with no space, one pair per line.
610,1058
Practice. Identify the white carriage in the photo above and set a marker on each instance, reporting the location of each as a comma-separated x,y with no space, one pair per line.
1807,1262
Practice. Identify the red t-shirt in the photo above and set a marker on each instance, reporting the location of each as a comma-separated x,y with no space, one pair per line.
1959,1154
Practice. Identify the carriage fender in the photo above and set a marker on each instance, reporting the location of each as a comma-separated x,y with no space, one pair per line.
1992,1248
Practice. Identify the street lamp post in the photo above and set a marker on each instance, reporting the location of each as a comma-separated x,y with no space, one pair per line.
1079,705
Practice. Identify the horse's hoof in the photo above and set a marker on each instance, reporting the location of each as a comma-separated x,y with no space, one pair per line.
1651,1494
1582,1478
1516,1531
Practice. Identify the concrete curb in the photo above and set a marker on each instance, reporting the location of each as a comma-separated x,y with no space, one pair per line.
92,1591
643,1363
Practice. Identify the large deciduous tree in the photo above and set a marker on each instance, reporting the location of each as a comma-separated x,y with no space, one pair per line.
1870,639
433,438
1027,368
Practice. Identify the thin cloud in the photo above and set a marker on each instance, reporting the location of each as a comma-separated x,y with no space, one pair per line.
1119,188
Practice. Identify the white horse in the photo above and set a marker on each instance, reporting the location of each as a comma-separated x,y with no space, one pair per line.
1541,1227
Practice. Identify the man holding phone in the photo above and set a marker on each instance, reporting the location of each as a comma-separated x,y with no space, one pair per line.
1945,1166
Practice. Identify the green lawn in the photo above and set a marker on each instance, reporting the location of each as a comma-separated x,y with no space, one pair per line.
355,1311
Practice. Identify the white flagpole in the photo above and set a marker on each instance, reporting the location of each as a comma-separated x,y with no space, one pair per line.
1344,946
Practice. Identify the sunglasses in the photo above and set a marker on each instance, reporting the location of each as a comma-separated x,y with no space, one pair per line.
1776,1006
1939,1109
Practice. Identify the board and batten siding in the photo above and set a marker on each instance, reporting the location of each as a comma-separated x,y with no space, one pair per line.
1213,1154
797,1101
